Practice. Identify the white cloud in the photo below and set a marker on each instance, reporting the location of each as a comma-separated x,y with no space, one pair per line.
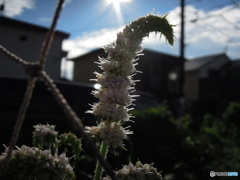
206,33
97,39
212,31
89,41
17,7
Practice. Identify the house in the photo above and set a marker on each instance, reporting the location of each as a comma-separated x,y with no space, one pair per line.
220,88
200,68
232,68
160,77
211,82
25,40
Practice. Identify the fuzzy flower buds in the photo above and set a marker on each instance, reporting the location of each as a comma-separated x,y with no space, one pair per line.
111,111
31,162
137,172
112,133
44,135
119,67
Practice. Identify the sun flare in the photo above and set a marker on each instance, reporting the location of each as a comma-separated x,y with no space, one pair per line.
117,7
116,3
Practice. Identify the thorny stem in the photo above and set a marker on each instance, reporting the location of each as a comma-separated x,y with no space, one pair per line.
99,168
12,56
50,35
76,122
20,119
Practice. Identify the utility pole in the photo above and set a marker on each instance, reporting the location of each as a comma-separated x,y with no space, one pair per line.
181,98
182,47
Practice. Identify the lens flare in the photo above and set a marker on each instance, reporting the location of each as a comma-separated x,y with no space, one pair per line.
117,6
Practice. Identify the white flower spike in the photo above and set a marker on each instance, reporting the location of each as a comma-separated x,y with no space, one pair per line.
119,67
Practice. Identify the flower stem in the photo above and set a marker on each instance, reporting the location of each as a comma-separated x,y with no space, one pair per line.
99,168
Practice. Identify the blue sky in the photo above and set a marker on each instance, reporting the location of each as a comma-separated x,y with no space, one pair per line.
212,26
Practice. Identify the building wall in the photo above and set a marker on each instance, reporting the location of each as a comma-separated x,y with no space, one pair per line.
193,77
155,77
83,71
84,67
26,44
53,64
213,65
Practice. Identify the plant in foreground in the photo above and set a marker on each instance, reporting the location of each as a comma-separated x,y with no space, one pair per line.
44,161
33,163
139,171
117,81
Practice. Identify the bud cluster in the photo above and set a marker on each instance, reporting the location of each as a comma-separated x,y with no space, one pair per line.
31,162
137,172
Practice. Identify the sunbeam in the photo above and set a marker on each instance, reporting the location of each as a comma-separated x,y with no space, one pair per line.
117,7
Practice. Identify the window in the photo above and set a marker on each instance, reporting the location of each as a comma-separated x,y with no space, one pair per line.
23,38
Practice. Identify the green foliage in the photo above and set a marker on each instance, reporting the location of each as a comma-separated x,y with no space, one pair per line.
45,160
70,139
159,111
45,137
154,138
232,112
186,148
217,140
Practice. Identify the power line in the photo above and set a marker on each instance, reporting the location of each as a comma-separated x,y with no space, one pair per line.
215,15
217,6
232,5
235,25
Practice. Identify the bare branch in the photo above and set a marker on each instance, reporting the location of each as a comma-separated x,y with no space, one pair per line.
12,56
50,35
20,119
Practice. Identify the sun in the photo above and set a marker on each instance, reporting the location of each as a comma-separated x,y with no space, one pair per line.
116,3
117,7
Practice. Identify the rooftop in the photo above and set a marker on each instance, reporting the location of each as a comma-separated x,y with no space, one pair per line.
101,52
16,23
197,63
